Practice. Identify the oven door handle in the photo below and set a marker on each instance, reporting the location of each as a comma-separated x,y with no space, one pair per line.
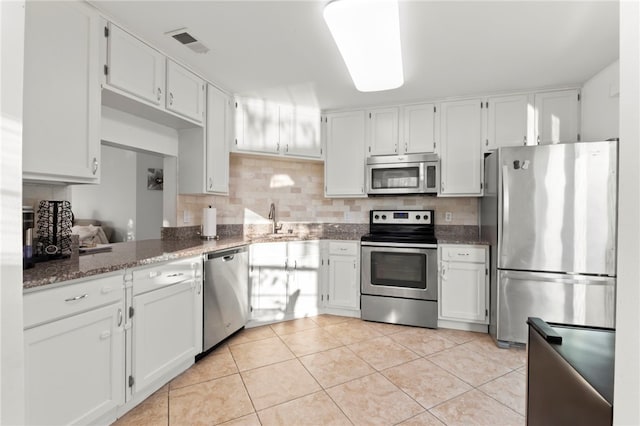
398,245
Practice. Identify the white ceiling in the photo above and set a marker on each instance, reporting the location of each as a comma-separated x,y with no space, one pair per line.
283,51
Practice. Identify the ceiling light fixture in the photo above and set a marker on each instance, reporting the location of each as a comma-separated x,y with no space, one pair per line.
367,33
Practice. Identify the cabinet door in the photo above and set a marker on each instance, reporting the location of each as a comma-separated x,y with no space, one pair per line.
185,92
74,368
556,116
343,282
461,152
134,67
419,134
269,281
164,331
383,131
286,119
304,278
345,159
217,164
257,126
463,292
306,134
61,127
506,121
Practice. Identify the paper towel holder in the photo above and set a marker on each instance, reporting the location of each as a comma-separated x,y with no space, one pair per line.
202,229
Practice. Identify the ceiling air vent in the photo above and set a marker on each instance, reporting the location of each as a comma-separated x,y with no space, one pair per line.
183,36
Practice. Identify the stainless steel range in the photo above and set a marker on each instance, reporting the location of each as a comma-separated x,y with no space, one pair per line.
399,272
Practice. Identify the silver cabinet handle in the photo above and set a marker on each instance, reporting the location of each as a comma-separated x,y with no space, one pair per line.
442,185
463,254
406,147
538,141
119,317
177,274
159,93
395,148
228,258
278,146
525,140
95,165
486,142
210,183
72,299
295,264
170,98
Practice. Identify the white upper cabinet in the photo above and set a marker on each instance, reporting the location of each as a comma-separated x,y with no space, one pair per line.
306,133
143,82
257,126
345,160
507,121
185,92
383,131
134,67
270,128
218,109
61,121
408,130
203,156
461,151
419,129
556,116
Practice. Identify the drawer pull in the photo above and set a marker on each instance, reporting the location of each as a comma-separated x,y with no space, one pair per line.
177,274
119,317
105,335
72,299
463,254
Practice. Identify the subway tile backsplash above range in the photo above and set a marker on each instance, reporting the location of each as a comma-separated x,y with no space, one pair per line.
297,190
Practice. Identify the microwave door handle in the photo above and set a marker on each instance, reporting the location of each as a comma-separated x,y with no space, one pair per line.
423,177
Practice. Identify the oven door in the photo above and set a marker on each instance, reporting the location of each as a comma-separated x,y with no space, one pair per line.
395,178
399,270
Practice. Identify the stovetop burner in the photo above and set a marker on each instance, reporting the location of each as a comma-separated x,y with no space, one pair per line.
401,226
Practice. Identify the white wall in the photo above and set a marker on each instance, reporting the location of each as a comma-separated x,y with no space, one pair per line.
11,334
600,105
626,407
121,128
148,202
113,201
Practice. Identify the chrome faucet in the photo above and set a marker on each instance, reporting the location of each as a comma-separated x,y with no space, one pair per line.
272,217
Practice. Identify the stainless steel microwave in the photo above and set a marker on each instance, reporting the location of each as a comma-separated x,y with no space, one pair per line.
403,174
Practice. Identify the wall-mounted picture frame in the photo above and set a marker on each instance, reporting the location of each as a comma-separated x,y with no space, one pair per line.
155,179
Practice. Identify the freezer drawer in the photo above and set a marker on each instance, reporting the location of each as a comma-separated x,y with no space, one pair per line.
561,298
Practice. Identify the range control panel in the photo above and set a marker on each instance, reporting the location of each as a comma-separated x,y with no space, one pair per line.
401,217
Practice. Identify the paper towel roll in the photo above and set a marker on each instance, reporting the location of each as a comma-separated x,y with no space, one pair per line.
209,222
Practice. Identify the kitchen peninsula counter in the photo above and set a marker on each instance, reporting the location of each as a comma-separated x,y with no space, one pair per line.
144,252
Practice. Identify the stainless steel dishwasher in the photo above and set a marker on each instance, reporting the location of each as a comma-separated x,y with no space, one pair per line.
226,294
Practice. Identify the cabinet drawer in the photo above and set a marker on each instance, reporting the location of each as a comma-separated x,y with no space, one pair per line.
148,278
78,296
464,254
346,248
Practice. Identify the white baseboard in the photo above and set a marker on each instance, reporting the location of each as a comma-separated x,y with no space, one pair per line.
466,326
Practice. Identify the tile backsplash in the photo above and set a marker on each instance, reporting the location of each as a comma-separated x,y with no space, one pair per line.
297,189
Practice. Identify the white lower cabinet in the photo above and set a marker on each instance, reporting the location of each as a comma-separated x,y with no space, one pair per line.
463,283
343,277
165,319
284,280
94,348
298,279
74,347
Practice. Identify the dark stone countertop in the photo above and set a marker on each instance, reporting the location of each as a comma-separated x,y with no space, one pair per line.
173,246
144,252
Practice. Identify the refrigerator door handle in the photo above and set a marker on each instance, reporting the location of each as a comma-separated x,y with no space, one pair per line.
504,233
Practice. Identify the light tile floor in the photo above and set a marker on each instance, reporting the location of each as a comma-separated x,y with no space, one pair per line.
330,370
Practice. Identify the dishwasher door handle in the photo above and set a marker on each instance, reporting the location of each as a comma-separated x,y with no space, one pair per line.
228,258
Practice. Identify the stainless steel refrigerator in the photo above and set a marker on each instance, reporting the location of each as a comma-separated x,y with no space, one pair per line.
549,213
